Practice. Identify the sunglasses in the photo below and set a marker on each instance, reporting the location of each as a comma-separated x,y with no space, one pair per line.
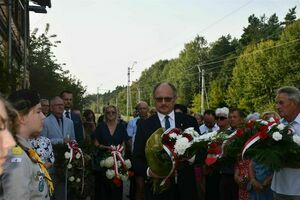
221,118
165,99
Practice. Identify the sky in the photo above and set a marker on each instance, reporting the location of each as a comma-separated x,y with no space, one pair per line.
102,38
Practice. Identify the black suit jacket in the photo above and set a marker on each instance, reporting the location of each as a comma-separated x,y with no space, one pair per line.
186,179
78,128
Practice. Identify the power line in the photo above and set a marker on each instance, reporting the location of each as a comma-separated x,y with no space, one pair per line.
233,51
243,55
223,72
204,29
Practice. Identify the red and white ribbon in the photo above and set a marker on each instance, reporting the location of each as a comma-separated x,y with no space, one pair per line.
74,149
258,136
116,152
172,155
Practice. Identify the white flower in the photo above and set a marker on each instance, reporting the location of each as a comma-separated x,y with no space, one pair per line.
280,126
206,136
264,122
123,177
67,155
179,136
191,131
102,163
109,162
127,164
110,173
277,136
77,156
69,166
173,135
181,145
78,180
71,178
271,119
296,139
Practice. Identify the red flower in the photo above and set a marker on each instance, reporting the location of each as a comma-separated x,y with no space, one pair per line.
117,181
130,173
239,132
214,148
277,120
165,139
188,136
175,130
250,124
210,160
263,134
263,128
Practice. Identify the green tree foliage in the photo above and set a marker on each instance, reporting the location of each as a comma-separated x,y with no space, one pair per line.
290,17
222,56
260,29
263,68
194,53
46,74
4,75
196,105
241,73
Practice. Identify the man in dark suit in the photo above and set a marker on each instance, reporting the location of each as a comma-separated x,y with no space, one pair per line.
67,96
165,96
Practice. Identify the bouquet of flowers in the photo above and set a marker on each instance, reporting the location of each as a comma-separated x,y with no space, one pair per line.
117,169
233,143
165,150
274,145
215,146
70,166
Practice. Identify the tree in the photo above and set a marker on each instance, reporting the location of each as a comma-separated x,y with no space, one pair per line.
290,17
264,67
46,75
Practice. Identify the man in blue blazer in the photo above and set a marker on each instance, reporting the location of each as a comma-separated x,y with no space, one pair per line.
165,96
67,97
58,128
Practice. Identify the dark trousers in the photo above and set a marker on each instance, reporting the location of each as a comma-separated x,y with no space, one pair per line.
228,188
105,189
169,194
212,186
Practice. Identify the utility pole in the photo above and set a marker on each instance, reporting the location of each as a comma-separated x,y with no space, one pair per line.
129,104
202,92
139,94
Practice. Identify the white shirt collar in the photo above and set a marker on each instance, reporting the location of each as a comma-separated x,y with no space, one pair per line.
296,120
162,116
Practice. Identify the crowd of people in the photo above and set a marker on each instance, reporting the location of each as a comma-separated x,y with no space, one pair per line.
30,127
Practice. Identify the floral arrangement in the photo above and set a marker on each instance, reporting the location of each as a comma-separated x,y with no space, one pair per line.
274,145
71,167
166,150
215,147
117,168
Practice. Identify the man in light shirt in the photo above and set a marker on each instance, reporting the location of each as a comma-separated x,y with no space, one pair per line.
286,182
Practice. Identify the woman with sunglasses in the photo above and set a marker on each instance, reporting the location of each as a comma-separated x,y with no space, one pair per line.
25,177
109,132
222,118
